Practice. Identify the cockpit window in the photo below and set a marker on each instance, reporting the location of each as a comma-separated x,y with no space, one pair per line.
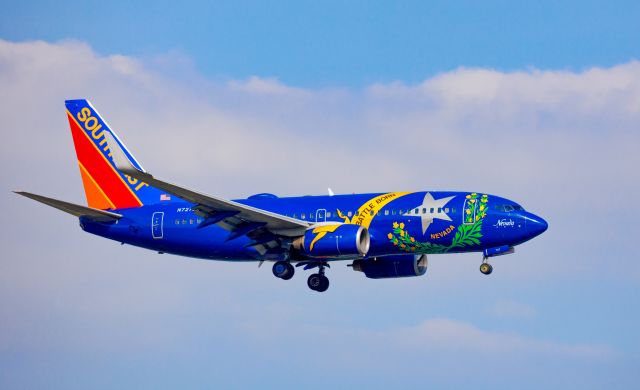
509,207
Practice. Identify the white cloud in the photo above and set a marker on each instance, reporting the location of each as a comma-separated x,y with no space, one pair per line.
448,335
438,348
270,86
468,88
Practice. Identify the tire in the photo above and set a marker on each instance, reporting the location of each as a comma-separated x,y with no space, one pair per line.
314,282
324,284
486,268
282,270
290,272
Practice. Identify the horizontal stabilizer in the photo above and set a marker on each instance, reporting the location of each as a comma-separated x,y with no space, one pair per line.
73,209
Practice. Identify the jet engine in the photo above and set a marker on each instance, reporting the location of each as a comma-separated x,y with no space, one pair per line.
336,241
397,266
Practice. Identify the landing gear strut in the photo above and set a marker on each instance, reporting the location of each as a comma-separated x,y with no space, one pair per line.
485,267
283,270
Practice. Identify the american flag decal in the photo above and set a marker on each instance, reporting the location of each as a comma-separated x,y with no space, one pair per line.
165,197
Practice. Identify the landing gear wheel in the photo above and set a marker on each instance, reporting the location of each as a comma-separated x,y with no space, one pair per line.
283,270
486,268
290,271
314,281
324,285
318,282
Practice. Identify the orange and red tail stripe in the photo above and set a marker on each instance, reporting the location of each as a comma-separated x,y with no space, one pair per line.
104,186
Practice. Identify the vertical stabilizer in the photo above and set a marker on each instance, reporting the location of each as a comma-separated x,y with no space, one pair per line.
104,186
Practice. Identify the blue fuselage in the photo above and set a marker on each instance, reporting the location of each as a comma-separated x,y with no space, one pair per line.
398,223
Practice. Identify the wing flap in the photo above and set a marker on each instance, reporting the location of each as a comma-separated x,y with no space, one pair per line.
72,208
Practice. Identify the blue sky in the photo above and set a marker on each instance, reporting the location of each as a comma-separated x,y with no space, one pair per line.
539,103
338,43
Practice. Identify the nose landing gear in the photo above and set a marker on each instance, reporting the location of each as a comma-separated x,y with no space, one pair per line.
485,267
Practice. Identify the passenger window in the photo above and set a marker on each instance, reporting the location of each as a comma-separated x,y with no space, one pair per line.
424,211
328,214
303,216
371,213
393,212
191,222
431,210
386,212
349,214
184,221
446,210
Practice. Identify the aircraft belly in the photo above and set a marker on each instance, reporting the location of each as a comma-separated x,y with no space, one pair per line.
206,243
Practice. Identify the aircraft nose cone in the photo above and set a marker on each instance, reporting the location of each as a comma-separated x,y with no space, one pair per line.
536,225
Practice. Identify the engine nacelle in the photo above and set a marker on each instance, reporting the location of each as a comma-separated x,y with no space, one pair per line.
397,266
344,241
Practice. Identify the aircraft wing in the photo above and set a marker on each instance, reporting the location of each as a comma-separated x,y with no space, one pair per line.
73,209
240,219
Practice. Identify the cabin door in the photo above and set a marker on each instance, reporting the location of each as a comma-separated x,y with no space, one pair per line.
156,225
321,215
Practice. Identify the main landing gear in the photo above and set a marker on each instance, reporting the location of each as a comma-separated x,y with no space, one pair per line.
283,270
317,282
485,267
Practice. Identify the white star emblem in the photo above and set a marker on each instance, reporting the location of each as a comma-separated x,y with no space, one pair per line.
428,217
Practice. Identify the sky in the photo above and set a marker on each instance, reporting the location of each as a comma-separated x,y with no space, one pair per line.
539,103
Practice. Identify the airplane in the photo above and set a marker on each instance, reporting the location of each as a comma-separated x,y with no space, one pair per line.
383,235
